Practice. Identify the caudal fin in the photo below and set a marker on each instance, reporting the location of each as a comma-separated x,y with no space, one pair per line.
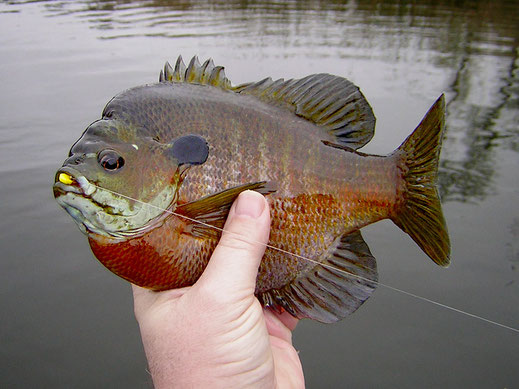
421,215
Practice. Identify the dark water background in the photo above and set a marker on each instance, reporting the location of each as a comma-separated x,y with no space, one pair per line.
68,323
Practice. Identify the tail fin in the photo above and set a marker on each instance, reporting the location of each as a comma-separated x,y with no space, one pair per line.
421,215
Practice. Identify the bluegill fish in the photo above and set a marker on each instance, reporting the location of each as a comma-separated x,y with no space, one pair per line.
149,180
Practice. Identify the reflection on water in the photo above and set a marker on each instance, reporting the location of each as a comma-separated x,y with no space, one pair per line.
69,323
476,42
483,117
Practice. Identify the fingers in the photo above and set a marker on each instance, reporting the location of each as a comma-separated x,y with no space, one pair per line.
289,371
233,267
286,359
276,327
276,320
234,264
144,299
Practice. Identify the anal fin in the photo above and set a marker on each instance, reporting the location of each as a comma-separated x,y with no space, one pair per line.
336,287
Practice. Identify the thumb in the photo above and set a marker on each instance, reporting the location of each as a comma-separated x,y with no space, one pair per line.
233,267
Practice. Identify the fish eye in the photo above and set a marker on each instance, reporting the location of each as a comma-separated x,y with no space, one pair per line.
110,160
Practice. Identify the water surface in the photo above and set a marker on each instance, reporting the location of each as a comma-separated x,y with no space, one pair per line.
67,322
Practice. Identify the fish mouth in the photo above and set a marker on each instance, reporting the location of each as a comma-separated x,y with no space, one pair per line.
69,180
99,211
77,195
73,192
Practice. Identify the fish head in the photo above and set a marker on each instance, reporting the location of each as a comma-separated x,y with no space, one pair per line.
118,180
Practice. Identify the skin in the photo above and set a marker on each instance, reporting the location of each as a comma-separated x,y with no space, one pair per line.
216,333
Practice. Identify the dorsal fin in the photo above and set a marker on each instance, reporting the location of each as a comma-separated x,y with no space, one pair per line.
205,74
329,101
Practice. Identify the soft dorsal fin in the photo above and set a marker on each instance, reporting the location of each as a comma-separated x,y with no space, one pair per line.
205,74
329,101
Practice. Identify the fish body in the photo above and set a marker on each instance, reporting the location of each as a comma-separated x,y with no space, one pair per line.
150,180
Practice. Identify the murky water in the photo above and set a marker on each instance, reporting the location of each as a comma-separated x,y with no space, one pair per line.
67,322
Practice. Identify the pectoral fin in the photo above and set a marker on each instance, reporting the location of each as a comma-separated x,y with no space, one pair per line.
205,214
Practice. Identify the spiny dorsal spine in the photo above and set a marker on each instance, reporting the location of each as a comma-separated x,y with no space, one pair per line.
205,74
331,102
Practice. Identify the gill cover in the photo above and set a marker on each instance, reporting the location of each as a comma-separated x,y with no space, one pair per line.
189,150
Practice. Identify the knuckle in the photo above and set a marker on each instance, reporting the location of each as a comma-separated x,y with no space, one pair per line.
237,241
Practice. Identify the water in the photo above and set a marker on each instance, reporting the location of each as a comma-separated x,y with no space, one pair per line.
67,322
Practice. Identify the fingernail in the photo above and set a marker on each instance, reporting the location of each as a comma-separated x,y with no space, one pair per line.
249,203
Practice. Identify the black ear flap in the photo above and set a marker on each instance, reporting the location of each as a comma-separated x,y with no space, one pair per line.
189,149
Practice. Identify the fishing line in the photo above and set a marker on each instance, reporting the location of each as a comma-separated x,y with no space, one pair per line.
242,238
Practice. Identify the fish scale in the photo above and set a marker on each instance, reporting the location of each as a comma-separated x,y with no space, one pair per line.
191,143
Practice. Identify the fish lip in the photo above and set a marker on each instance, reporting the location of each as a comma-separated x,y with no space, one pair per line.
80,185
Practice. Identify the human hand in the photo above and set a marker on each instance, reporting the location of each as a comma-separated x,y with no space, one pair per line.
215,333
